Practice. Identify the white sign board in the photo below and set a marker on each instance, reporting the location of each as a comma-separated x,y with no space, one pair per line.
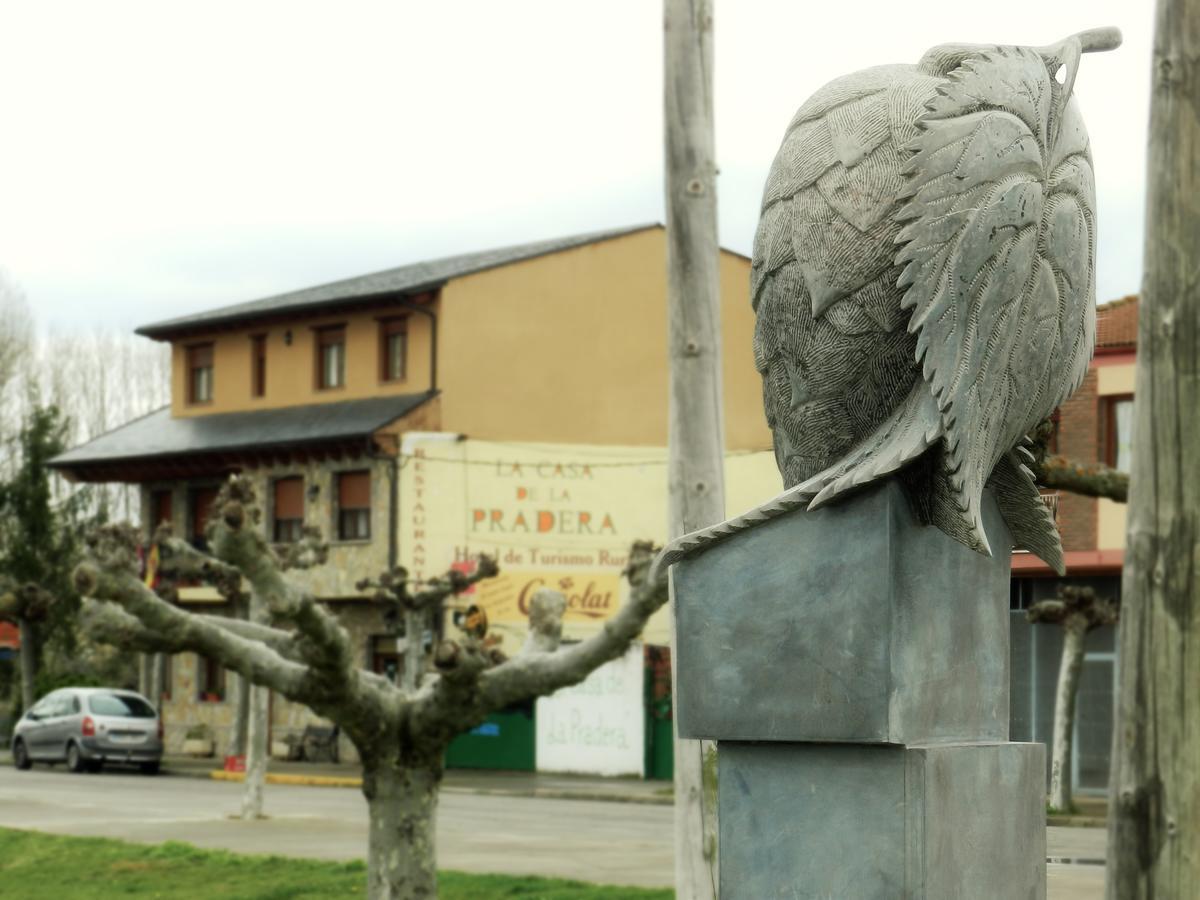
597,727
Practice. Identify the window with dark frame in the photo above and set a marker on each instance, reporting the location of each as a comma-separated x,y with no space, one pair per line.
354,506
200,504
289,510
160,509
331,357
200,373
393,348
258,365
210,680
1118,442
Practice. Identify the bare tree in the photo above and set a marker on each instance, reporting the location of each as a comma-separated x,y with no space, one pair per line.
1078,611
304,654
1154,818
16,332
25,606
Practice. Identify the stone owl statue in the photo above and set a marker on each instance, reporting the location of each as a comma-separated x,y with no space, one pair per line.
923,284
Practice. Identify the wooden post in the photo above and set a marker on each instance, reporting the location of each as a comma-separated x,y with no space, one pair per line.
696,421
1154,819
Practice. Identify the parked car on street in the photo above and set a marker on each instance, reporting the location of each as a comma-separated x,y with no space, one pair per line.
88,727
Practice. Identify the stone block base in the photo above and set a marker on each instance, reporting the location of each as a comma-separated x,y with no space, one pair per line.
940,822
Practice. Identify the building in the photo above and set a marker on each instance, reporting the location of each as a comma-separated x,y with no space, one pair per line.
512,401
1092,426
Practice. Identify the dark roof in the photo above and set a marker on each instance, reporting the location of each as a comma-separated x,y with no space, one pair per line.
1116,324
405,279
159,434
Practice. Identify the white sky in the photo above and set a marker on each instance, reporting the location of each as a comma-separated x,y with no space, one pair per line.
163,157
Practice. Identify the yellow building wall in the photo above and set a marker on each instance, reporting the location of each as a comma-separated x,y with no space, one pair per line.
291,375
1115,380
554,515
571,348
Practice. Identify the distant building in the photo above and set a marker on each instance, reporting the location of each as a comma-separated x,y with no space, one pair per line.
10,640
1093,426
513,400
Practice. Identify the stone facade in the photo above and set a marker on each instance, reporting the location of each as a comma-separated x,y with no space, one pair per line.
349,561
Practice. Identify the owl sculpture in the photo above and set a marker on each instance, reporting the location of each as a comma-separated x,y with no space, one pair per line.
923,285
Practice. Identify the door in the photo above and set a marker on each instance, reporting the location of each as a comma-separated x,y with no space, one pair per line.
1094,709
39,739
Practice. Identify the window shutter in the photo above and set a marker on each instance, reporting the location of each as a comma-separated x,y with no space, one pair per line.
202,502
354,490
201,355
289,498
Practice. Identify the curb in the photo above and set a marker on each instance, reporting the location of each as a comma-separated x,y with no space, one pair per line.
284,778
540,793
1077,821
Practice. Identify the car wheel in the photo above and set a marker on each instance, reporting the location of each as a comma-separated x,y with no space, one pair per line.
149,768
21,756
75,761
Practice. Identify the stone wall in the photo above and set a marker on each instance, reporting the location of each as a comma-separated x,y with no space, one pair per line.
184,708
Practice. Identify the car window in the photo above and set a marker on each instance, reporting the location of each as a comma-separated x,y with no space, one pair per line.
125,705
46,707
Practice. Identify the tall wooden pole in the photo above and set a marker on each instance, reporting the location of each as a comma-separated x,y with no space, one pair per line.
1154,821
696,420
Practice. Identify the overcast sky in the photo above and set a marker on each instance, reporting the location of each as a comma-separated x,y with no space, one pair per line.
164,157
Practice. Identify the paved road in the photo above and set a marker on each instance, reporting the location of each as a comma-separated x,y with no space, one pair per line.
615,843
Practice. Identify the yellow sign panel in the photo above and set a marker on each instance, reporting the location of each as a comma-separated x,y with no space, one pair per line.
591,596
553,515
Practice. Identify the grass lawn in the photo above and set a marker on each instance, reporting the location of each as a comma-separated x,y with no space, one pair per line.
36,866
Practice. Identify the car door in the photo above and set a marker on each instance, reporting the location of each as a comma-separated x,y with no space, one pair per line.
37,721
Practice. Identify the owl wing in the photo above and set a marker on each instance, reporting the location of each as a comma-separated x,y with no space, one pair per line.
997,247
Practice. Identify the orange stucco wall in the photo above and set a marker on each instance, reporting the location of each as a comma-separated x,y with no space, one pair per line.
291,378
571,348
567,348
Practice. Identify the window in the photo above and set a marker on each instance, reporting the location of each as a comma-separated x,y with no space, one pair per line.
289,510
258,365
331,357
393,348
200,373
210,680
200,504
354,506
125,706
1119,440
160,509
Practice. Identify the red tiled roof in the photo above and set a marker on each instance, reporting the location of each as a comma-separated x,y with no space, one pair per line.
10,638
1116,323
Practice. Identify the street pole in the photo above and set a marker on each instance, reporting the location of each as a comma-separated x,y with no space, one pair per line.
696,422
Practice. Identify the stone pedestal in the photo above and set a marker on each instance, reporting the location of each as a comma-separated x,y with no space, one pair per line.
938,822
853,665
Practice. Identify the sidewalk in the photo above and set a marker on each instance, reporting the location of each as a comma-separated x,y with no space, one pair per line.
464,781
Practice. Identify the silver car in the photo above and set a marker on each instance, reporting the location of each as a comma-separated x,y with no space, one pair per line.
88,727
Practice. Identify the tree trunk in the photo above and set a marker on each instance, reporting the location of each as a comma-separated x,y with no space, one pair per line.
146,676
414,650
401,847
257,752
1154,819
158,675
28,635
696,420
1074,632
241,715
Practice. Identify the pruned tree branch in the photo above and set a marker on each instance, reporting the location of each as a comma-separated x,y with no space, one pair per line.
109,573
1090,479
536,673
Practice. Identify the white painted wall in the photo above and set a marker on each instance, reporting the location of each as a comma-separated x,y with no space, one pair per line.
596,727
